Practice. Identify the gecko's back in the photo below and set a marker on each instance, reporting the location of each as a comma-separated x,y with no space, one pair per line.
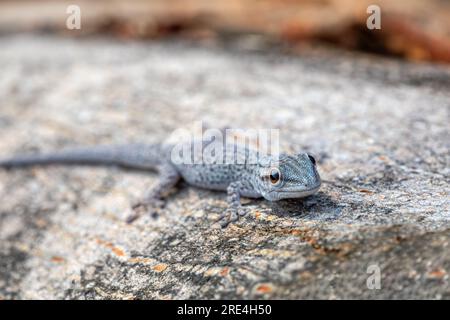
214,165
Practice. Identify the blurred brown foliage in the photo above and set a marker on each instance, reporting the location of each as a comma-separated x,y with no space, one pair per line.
412,29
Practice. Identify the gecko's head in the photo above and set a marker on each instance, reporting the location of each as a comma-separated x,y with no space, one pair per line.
289,176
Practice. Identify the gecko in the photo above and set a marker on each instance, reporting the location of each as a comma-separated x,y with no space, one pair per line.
272,177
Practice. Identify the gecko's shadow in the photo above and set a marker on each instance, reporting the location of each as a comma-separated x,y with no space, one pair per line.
319,206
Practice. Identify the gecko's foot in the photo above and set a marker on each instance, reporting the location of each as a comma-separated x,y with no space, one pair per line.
150,206
231,215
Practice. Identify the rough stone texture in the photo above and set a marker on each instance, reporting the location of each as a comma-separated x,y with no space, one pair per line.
379,128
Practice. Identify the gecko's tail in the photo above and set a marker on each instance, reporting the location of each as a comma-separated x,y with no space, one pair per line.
138,156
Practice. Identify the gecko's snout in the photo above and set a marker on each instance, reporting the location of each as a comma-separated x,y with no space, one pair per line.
298,178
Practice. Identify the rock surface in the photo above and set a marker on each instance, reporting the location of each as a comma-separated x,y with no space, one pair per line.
379,129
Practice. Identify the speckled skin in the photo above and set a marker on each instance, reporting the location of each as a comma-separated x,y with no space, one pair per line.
299,174
239,170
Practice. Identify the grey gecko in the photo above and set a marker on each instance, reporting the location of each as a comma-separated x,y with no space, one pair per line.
274,178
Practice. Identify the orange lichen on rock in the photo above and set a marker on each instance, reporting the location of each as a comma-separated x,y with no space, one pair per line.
57,259
139,260
264,288
160,267
224,272
437,273
116,250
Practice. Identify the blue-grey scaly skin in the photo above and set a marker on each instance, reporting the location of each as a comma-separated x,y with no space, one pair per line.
299,176
238,170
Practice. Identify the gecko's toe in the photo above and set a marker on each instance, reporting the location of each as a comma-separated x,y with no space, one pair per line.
229,216
148,203
131,218
242,212
224,222
146,206
223,219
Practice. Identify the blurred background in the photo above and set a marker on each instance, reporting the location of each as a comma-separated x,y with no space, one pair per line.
411,29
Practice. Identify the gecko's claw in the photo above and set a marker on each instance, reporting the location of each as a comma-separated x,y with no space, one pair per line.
132,217
146,206
230,215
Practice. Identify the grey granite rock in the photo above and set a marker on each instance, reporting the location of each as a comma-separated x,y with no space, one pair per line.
380,130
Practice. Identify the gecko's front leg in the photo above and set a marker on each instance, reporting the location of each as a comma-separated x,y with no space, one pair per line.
235,209
155,198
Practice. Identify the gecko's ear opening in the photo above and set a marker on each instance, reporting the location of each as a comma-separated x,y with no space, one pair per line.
304,156
313,160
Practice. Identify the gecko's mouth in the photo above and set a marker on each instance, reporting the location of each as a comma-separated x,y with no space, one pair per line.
291,194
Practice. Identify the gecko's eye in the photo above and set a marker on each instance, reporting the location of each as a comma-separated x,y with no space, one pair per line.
275,176
312,159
